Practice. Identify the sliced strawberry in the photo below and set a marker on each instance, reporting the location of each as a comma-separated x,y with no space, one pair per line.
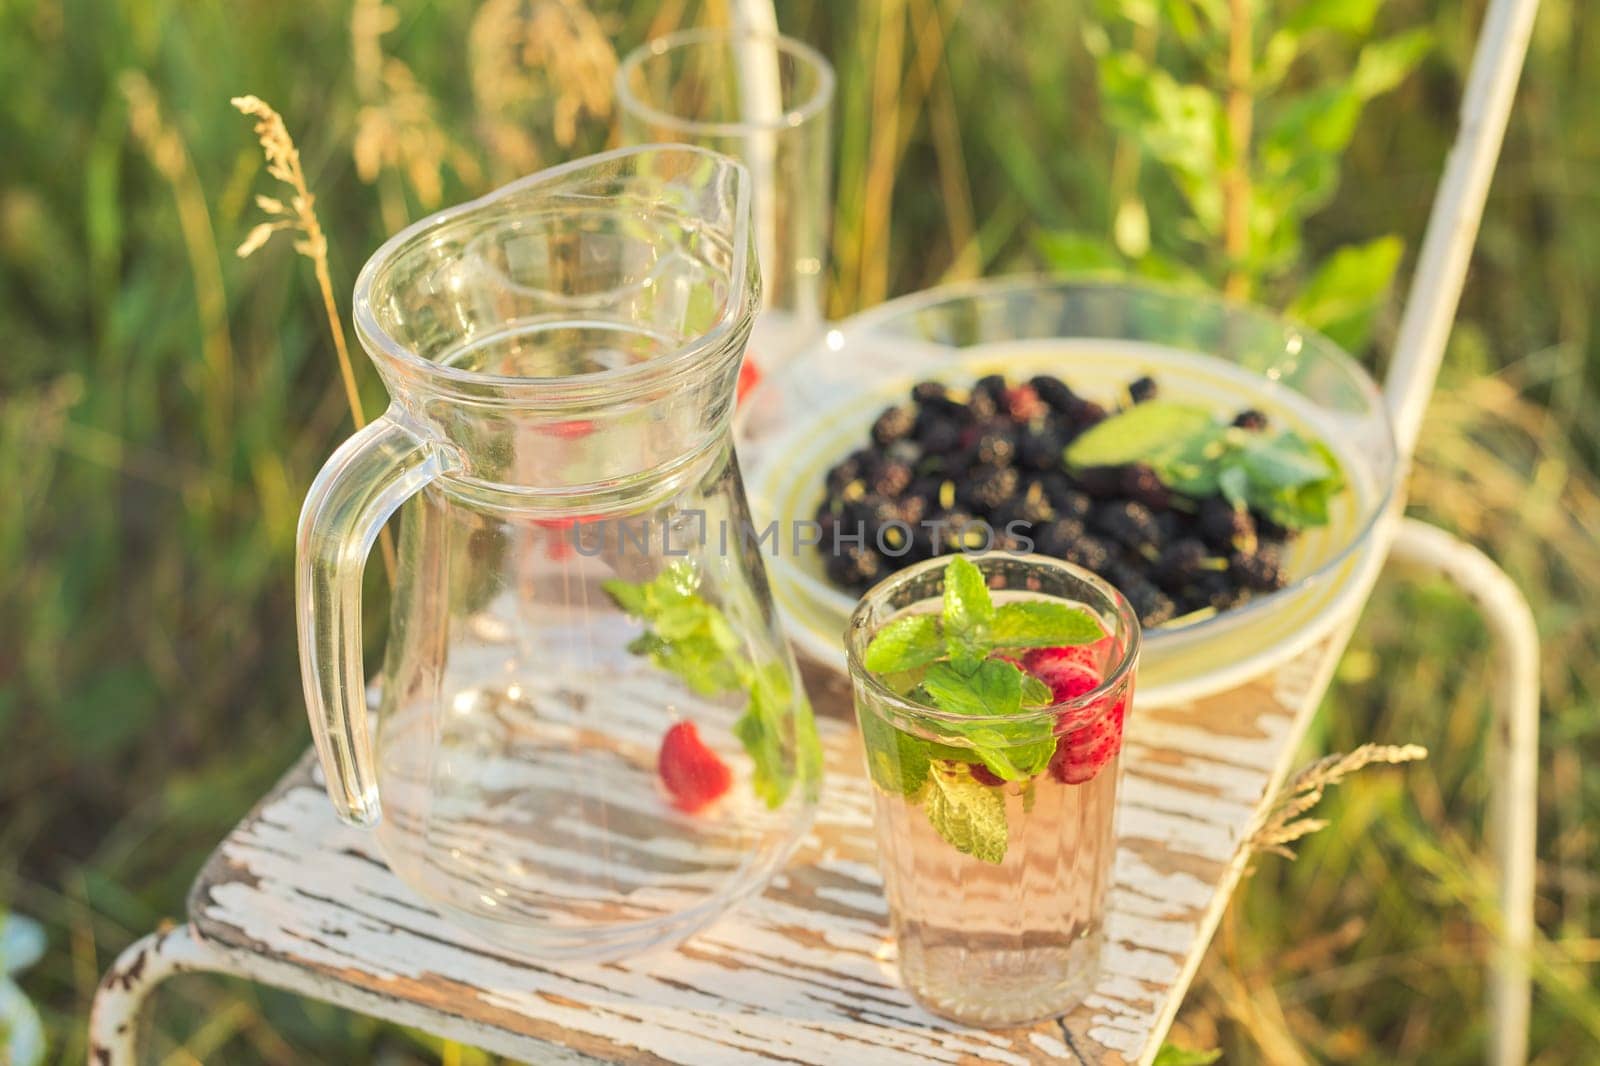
1079,759
1067,680
693,774
1093,655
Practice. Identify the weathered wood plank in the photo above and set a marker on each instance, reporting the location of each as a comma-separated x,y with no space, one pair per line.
803,974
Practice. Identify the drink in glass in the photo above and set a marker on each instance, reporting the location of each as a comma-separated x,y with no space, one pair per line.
995,796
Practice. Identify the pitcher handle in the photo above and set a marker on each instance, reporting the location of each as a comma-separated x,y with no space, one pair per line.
361,485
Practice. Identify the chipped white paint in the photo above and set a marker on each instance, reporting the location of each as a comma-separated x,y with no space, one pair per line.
804,973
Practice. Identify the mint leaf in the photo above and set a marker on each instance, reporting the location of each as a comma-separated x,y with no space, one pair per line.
995,687
1013,750
969,815
1234,483
1284,461
1042,624
1036,693
904,644
693,640
760,730
968,608
897,761
1138,433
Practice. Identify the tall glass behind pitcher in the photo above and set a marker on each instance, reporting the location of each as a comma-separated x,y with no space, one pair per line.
767,101
591,738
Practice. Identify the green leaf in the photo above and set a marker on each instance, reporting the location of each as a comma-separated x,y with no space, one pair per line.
897,762
1036,693
1343,296
1067,252
968,608
1234,484
1014,751
904,644
1285,461
1353,17
1383,65
760,730
1042,624
1173,1055
968,814
994,688
1140,432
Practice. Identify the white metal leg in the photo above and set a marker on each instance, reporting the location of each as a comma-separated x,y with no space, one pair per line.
1514,775
114,1021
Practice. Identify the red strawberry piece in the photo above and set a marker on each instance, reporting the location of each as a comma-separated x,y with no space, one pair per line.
1023,403
572,430
1093,655
693,774
749,378
1067,679
985,776
1083,752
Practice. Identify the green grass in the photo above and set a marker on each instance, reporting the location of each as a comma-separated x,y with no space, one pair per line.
153,466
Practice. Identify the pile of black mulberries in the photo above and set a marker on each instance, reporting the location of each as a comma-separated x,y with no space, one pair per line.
952,470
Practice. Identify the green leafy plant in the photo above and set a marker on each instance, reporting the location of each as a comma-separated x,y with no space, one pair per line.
692,639
1280,473
960,661
1225,150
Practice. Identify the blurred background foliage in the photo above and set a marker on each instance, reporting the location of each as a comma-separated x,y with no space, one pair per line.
164,404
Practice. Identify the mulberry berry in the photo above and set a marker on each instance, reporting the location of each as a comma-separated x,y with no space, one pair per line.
987,487
1213,589
1225,527
1261,571
894,424
929,392
1181,562
855,567
1128,523
1057,538
1083,414
1250,419
1053,391
938,433
988,396
1141,483
1090,553
995,444
890,477
1142,389
1101,482
1040,448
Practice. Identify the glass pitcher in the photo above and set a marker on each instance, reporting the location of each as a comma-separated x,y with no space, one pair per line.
591,737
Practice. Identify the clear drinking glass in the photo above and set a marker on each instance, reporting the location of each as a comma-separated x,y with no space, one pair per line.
591,739
985,942
767,101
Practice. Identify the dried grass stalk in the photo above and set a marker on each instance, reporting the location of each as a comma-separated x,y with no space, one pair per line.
165,148
397,128
537,64
1285,823
299,216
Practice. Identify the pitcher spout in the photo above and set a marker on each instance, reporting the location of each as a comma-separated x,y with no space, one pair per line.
582,325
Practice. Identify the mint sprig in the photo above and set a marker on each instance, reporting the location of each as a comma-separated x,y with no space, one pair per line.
1281,474
693,640
954,662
